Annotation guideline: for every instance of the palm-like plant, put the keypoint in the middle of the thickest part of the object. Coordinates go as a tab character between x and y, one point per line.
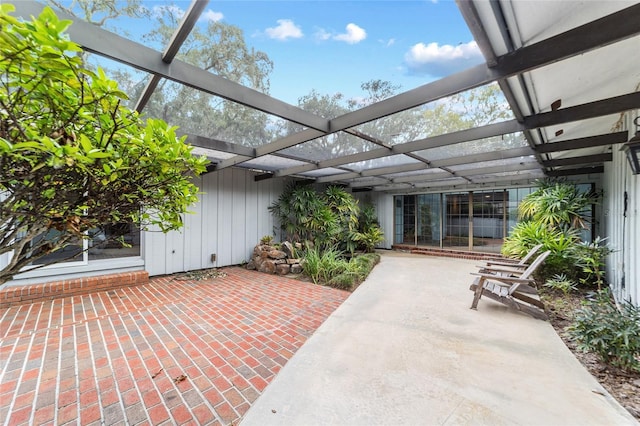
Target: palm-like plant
552	215
344	206
294	209
558	204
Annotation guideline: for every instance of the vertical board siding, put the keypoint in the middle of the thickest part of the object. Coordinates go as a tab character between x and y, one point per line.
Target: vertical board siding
209	201
228	221
174	253
193	227
623	231
155	247
225	216
239	221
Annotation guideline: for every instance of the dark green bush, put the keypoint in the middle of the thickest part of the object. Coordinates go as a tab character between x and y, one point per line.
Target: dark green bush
330	219
611	333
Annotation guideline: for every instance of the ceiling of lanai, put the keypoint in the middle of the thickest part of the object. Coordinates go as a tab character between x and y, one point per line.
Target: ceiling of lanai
567	69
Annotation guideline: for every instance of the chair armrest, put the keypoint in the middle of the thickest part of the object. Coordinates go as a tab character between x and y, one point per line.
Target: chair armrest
504	278
503	263
508	270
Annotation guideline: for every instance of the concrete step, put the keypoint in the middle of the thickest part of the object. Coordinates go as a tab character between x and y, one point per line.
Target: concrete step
436	251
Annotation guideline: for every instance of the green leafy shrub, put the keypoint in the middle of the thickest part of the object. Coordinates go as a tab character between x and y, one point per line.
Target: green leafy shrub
322	265
72	157
613	334
328	219
266	240
560	282
368	217
561	243
553	215
558	204
368	238
590	257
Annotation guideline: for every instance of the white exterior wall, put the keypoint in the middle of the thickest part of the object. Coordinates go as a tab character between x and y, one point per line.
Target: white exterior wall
229	221
623	266
384	208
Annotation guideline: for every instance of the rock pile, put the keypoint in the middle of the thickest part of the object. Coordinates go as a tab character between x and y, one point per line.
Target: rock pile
275	260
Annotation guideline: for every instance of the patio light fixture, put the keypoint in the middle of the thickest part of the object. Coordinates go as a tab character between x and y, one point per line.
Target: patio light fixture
632	149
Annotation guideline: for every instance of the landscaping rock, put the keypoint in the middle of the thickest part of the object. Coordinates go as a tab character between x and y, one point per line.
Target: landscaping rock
287	247
267	267
270	259
277	254
283	269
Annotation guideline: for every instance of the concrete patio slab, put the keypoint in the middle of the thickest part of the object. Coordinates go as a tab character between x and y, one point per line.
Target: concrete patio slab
405	349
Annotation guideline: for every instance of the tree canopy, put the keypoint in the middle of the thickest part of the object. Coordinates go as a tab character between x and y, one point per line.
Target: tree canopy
72	157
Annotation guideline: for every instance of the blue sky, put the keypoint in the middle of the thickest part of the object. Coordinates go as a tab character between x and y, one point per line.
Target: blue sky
334	46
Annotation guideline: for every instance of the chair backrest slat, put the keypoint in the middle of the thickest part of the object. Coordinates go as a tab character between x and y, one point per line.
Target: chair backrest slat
536	263
529	255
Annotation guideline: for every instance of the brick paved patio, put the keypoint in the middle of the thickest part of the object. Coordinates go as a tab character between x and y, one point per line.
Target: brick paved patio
167	352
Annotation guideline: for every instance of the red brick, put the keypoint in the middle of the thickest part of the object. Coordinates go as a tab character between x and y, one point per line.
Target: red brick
239	382
67	414
259	383
9	386
109	397
24	400
180	414
130	398
203	414
20	416
90	413
151	398
44	415
88	397
233	397
221	383
242	409
67	397
213	396
226	413
158	414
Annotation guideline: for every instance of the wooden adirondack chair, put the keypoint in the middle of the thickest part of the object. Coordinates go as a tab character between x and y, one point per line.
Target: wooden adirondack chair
510	287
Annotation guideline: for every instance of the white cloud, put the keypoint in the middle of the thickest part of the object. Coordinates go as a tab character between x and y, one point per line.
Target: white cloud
170	9
211	16
354	34
286	29
437	61
388	43
322	35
